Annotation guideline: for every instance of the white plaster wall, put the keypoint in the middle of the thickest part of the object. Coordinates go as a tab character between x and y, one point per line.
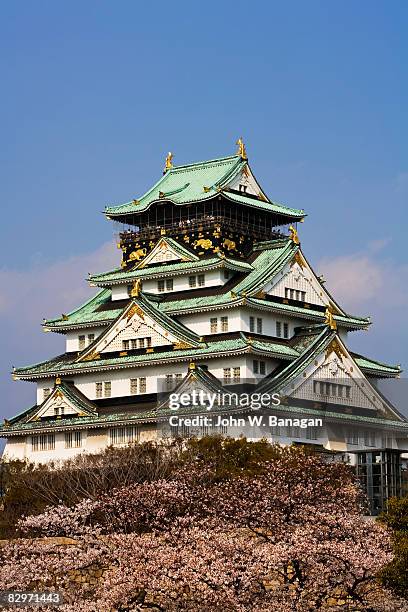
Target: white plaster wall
213	278
46	383
199	322
15	449
72	337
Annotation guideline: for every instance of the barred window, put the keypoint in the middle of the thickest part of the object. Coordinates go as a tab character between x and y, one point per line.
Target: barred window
160	286
169	381
311	433
227	274
107	388
91	338
213	325
262	367
98	388
224	324
352	436
169	284
255	366
43	442
142	385
237	374
81	342
133	386
78	439
68	439
124	435
252	324
46	393
201	280
278	329
369	438
179	376
192	281
286	330
227	375
259	325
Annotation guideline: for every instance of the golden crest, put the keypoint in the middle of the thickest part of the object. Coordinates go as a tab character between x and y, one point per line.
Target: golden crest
293	235
135	310
203	243
229	245
137	255
181	345
92	356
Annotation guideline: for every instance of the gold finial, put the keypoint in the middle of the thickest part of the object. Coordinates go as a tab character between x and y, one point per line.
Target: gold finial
241	149
58	380
169	161
136	289
294	235
329	320
192	365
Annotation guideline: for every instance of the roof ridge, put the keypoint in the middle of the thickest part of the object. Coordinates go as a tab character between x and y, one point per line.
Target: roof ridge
216	160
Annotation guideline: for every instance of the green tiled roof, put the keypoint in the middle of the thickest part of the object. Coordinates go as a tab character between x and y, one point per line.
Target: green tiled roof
376	368
183	184
87	312
181	267
63	364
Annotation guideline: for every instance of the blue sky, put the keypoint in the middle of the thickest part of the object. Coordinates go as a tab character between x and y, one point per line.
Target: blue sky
95	93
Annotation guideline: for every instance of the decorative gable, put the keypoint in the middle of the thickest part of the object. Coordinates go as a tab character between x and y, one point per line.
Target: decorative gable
334	378
136	328
61	403
297	281
164	251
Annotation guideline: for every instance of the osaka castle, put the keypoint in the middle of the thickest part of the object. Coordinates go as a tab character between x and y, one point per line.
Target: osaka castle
213	291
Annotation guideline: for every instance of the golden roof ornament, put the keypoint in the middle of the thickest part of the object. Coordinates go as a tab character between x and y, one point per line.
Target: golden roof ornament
136	289
169	161
329	319
58	380
241	148
294	235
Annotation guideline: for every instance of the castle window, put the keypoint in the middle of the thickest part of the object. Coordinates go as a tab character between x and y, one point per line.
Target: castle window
107	388
124	435
142	385
201	280
192	281
259	367
160	286
227	274
331	389
169	284
252	324
295	294
133	386
125	345
278	329
169	381
78	439
43	442
285	330
227	376
311	433
237	374
81	342
352	437
259	325
369	438
68	439
224	324
91	338
213	325
46	393
56	411
98	389
243	188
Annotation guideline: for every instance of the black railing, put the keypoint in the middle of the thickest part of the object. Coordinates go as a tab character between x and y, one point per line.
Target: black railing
256	230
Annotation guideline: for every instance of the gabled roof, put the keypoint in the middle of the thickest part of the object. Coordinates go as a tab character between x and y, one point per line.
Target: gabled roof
311	343
376	368
196	182
140	307
68	363
77	399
